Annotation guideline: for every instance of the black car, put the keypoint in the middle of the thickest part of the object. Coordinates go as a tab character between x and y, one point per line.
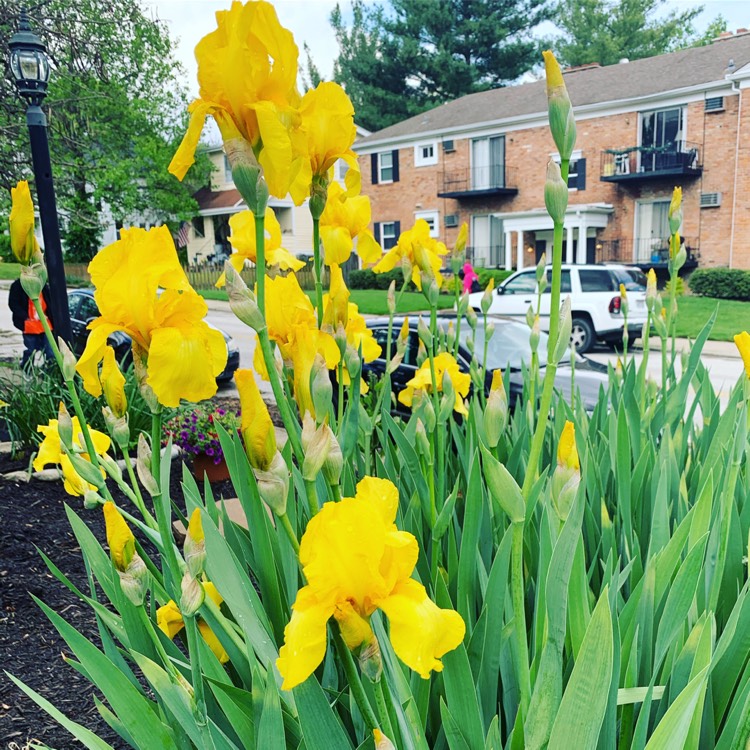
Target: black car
83	309
509	348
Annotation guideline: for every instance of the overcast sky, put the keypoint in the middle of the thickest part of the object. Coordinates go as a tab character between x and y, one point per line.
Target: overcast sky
189	20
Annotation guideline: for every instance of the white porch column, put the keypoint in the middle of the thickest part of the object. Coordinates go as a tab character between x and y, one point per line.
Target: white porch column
582	229
569	244
519	251
508	250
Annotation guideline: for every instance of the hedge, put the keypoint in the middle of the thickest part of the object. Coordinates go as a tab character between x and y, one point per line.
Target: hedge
721	283
367	279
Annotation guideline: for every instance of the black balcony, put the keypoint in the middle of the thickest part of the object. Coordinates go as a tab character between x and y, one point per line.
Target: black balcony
645	252
477	182
640	163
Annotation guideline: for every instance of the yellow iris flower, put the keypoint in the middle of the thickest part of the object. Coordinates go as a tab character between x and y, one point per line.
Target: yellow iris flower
336	301
184	353
119	537
50	452
567	453
326	134
256	427
422	381
247	73
170	622
424	253
346	218
244	246
743	344
292	324
355	561
22	240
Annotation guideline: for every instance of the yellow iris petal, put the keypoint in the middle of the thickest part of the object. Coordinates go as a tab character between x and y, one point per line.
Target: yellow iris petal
213	642
420	631
567	454
423	252
257	428
113	384
22	240
742	340
422	380
169	619
119	537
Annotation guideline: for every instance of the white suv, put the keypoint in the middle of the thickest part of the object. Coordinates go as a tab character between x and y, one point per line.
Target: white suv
595	296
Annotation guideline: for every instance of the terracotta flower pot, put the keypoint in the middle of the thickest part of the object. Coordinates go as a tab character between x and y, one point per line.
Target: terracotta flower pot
204	465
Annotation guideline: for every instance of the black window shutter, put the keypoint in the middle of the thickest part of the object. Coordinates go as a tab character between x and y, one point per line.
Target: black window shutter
374	168
377	232
395	165
581	165
397	225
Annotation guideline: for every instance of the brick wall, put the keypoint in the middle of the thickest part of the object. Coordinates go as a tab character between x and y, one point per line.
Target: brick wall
526	155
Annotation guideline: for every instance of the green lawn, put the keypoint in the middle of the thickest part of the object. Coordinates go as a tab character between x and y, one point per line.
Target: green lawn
10	271
369	301
693	312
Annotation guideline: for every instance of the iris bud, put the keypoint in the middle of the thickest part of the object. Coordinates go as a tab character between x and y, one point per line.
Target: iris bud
391	299
425	335
486	301
563	334
65	427
143	466
34	277
192	595
273	484
241	300
69	361
555	193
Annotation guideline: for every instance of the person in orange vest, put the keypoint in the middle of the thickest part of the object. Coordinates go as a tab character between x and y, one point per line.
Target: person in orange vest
27	321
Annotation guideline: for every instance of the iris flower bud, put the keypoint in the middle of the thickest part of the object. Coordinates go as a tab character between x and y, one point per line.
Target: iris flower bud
651	292
273	485
192	595
69	361
495	417
563	334
675	211
555	193
65	427
486	302
425	335
392	297
33	278
195	545
241	299
562	125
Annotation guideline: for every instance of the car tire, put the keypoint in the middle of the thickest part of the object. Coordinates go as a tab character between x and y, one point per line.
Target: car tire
582	335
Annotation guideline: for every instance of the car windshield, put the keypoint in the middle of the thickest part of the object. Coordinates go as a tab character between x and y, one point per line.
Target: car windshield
633	279
509	345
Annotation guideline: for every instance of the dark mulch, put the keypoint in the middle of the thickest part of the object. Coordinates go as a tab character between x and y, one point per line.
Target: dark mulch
32	515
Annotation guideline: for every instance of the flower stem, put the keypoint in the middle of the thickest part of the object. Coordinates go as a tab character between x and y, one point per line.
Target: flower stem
156	447
191	628
260	261
287	526
355	684
382	708
139	503
317	266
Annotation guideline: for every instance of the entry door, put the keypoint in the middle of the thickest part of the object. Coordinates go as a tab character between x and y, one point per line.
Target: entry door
488	163
651	230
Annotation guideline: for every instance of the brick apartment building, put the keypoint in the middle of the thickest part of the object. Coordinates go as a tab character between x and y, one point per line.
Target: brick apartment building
643	127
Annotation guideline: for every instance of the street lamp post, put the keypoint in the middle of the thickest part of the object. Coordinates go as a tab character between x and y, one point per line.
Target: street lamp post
30	68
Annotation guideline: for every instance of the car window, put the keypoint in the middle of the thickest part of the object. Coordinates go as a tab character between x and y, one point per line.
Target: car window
521	284
633	279
88	308
73	301
596	280
410	355
564	282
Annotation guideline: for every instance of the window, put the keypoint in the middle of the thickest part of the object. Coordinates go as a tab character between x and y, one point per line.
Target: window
88	308
73	301
564	282
388	234
432	218
341	169
488	163
199	226
662	137
385	167
524	283
425	154
227	170
576	170
596	280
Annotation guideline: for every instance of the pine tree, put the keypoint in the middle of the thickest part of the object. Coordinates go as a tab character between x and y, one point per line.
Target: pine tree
398	60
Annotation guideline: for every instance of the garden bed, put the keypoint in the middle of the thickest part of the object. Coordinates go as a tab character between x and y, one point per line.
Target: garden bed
33	515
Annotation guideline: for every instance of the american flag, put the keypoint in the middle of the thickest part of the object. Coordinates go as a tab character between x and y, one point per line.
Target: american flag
183	235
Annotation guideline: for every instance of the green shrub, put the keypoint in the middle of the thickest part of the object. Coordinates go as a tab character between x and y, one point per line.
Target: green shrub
6	254
485	274
722	283
368	279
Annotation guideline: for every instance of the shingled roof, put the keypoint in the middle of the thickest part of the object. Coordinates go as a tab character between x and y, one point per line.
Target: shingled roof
587	85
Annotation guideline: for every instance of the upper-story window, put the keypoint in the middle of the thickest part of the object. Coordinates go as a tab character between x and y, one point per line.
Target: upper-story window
227	170
425	154
576	170
384	167
488	163
387	233
433	221
662	136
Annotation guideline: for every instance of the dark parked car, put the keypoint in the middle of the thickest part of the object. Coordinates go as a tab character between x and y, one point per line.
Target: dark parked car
83	309
509	347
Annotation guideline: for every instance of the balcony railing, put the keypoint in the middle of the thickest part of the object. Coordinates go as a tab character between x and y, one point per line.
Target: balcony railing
486	256
638	163
478	181
645	251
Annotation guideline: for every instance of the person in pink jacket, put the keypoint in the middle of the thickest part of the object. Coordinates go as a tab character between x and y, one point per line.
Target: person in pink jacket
469	277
